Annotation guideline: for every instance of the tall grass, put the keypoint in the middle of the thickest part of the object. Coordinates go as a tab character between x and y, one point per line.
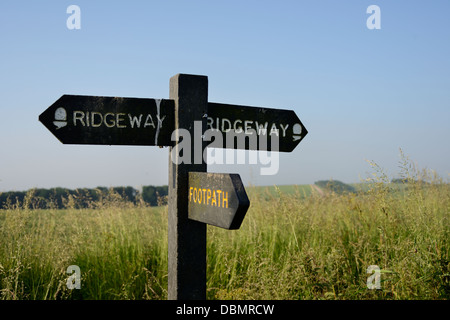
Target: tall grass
320	247
121	251
290	246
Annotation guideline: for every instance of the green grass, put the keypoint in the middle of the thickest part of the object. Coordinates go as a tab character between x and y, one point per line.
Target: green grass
121	252
293	244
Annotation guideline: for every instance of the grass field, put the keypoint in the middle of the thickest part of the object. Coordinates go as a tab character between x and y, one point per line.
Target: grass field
293	244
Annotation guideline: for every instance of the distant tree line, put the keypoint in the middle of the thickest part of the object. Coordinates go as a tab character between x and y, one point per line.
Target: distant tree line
82	198
339	187
335	186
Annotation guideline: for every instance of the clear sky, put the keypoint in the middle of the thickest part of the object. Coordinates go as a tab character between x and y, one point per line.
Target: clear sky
361	93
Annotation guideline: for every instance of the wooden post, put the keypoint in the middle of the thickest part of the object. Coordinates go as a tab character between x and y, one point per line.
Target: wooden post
187	238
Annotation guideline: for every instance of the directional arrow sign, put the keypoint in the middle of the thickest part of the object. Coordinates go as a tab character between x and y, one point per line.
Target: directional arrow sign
110	120
218	199
76	119
254	128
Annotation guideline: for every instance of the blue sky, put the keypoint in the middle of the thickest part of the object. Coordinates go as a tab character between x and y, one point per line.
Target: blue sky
362	94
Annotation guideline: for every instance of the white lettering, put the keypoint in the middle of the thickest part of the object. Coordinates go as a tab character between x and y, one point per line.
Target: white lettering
78	115
213	153
268	309
247	127
181	153
262	129
99	115
149	121
193	310
135	121
274	129
374	21
223	125
270	158
112	123
374	281
74	281
284	129
246	309
160	120
74	21
118	119
236	128
209	122
223	309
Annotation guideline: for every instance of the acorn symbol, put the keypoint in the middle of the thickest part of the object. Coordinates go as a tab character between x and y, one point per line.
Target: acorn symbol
297	130
60	118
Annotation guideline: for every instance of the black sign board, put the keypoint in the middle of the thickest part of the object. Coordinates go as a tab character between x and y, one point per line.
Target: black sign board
218	199
254	128
75	119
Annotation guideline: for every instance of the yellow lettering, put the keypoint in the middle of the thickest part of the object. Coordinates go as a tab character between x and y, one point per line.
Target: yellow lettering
208	196
214	201
224	199
199	196
211	197
218	197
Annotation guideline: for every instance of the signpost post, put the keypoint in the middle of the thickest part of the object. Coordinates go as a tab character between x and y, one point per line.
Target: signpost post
196	198
187	238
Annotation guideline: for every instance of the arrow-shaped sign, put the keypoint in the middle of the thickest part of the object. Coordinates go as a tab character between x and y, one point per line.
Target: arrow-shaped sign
256	128
218	199
77	119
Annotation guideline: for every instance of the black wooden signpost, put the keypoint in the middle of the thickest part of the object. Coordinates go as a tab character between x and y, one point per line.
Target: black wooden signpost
196	198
